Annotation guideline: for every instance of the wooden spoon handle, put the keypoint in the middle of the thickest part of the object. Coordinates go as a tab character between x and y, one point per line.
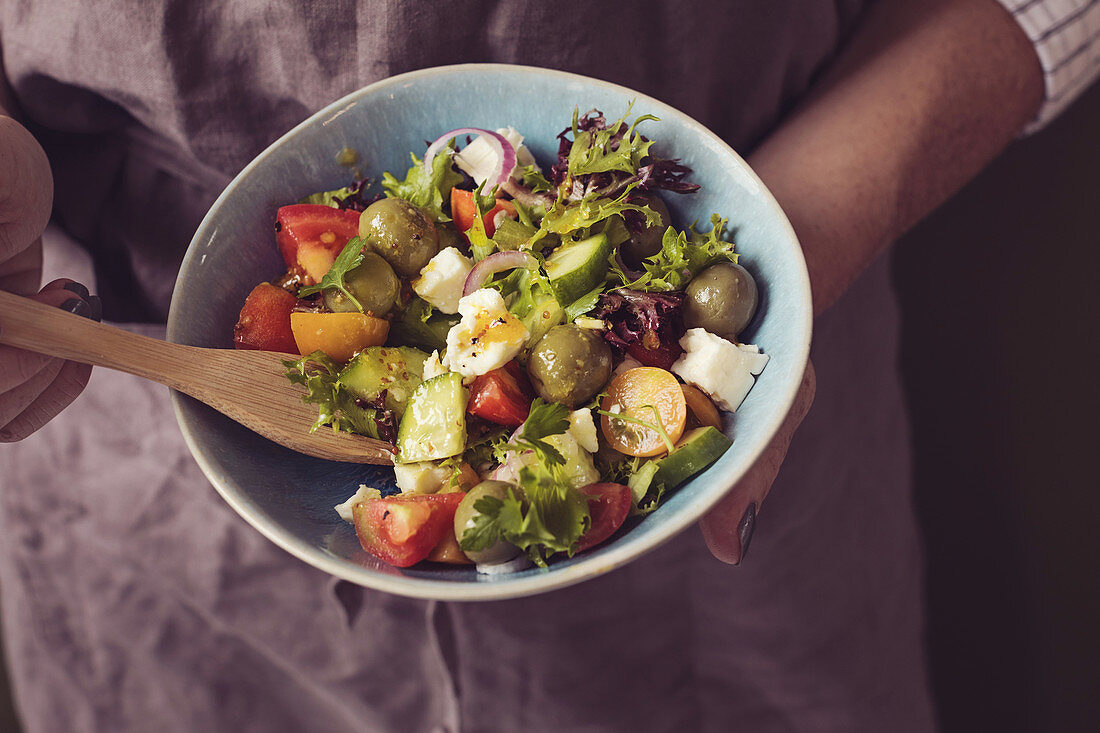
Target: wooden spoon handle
34	326
248	386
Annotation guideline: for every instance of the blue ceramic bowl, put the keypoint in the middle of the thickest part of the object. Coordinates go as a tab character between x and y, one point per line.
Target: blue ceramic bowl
289	497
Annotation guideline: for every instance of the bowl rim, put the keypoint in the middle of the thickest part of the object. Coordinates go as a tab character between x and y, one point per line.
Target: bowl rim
500	588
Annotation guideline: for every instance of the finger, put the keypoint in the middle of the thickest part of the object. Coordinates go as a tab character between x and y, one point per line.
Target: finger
26	189
21	273
18	365
19	398
728	527
66	387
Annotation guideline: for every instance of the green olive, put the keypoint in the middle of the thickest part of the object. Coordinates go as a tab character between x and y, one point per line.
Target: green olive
721	299
647	242
403	234
502	550
374	285
449	236
569	365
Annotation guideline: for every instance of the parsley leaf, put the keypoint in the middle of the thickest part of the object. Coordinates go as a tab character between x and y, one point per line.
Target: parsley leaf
549	515
485	529
349	258
545	419
423	188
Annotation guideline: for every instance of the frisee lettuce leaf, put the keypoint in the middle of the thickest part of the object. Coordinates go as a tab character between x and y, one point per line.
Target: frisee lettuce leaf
682	256
319	374
583	304
353	197
645	495
534	179
425	189
531	300
481	246
563	219
350	257
610	149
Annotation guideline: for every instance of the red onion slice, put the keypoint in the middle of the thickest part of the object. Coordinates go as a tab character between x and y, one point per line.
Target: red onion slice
495	263
526	196
506	154
509	468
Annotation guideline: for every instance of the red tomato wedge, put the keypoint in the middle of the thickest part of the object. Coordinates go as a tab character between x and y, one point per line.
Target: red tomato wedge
662	355
502	396
403	529
311	235
264	322
608	505
463	210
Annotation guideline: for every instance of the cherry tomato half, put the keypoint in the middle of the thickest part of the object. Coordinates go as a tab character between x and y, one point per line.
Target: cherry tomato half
502	396
311	235
608	505
403	529
643	396
463	210
264	322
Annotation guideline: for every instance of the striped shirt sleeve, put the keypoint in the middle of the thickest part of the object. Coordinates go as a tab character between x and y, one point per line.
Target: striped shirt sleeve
1066	34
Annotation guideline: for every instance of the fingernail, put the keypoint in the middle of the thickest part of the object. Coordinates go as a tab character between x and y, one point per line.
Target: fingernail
744	530
78	307
75	287
97	307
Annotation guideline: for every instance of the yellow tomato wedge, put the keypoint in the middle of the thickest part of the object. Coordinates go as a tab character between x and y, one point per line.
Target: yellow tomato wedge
340	335
701	406
638	401
448	550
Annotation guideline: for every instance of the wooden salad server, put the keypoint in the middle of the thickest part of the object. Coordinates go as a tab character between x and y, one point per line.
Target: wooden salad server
248	386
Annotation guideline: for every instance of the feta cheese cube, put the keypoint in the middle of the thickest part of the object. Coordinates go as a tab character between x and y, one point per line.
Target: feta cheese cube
424	477
479	160
487	337
364	493
584	429
441	280
433	366
721	369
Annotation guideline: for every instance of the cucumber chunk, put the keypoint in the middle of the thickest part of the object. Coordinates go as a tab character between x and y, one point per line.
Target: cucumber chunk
420	326
696	450
398	370
575	269
434	423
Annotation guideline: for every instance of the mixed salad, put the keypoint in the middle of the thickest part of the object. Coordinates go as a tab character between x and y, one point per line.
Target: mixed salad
543	350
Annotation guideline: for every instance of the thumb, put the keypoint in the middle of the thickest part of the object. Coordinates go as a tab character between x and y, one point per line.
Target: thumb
26	189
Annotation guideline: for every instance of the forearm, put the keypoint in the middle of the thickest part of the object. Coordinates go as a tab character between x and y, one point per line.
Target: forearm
924	95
